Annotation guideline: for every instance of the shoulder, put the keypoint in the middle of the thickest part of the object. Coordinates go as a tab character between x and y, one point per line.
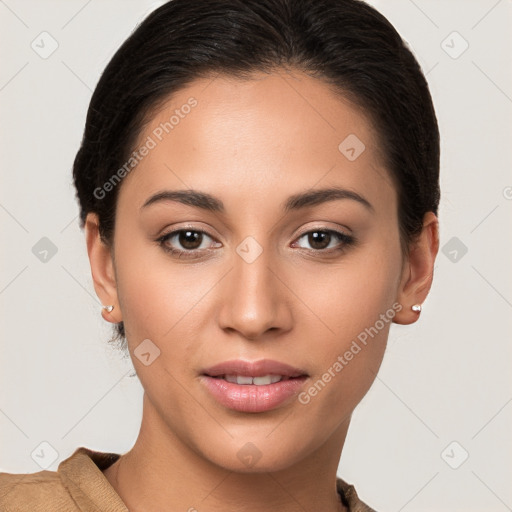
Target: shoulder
78	484
350	498
38	492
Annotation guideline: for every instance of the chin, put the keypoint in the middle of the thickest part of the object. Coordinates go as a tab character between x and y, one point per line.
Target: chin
259	453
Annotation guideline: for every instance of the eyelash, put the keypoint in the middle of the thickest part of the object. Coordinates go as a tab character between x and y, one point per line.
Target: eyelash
346	242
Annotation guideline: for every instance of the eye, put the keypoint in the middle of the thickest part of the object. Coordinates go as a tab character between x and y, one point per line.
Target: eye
185	242
324	240
193	243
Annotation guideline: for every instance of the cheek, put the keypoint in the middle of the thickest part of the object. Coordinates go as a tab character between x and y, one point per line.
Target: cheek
155	298
144	290
351	295
355	303
163	301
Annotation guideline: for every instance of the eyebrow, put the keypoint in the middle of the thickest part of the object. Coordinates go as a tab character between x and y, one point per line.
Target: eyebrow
295	202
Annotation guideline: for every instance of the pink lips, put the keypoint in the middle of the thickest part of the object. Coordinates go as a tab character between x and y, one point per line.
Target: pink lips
252	397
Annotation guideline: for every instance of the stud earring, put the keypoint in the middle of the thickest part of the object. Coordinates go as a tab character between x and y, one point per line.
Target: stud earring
416	308
108	308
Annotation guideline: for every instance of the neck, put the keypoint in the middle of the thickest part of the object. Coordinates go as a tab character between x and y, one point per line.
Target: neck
161	472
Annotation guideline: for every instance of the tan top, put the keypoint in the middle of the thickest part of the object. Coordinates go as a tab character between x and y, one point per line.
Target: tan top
79	485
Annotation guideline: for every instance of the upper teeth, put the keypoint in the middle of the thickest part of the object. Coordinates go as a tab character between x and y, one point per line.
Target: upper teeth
259	381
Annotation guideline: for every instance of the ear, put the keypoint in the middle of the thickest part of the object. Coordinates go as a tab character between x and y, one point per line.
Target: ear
102	269
418	270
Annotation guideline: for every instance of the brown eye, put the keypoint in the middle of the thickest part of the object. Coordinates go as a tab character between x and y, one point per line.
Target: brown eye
319	239
324	240
190	239
187	243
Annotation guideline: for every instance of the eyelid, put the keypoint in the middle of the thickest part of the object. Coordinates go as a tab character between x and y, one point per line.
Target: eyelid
339	228
190	226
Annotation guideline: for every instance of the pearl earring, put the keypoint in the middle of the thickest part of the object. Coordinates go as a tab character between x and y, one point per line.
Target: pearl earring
108	308
416	308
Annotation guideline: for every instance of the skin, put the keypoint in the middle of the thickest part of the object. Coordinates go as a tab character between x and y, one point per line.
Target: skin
252	144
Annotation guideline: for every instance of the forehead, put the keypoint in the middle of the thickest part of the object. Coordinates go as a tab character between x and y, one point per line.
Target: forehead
271	135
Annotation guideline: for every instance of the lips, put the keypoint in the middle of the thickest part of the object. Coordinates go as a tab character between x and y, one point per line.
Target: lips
253	386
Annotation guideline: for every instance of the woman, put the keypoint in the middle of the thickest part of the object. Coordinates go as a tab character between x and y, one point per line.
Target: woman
258	184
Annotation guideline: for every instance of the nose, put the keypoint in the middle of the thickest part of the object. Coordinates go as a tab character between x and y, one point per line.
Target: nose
255	299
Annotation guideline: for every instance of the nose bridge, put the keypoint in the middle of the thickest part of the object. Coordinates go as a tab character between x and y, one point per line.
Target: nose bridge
253	301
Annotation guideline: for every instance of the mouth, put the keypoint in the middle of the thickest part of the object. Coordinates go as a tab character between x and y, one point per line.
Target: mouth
245	380
253	386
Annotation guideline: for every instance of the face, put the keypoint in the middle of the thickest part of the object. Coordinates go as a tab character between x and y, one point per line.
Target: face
267	268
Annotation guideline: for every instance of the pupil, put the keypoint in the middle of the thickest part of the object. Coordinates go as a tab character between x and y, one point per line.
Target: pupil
188	239
317	237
